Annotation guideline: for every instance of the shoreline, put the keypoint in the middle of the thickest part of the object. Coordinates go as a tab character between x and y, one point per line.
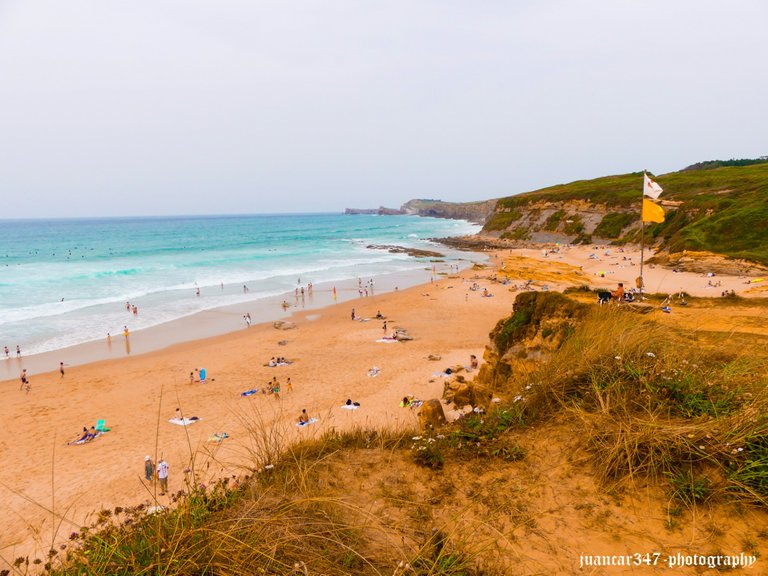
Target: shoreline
221	320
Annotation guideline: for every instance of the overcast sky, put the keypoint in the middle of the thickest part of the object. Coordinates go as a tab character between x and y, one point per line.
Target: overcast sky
229	106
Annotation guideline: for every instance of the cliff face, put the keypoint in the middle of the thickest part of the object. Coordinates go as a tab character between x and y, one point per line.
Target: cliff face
539	324
477	212
565	221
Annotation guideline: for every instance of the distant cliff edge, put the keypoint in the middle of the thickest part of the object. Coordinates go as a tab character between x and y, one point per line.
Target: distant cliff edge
477	212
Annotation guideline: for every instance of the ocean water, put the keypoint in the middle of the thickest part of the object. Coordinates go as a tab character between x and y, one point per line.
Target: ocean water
66	282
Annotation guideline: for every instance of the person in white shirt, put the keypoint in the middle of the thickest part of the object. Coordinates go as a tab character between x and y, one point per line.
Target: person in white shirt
162	476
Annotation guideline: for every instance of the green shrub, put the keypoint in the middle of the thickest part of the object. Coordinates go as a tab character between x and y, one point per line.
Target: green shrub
553	221
613	223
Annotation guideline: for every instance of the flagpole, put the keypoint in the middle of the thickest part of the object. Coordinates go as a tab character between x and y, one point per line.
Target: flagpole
642	238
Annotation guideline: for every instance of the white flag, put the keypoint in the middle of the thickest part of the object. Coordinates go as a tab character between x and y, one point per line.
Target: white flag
650	188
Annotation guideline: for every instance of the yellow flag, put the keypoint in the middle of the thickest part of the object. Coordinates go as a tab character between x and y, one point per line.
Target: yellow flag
652	212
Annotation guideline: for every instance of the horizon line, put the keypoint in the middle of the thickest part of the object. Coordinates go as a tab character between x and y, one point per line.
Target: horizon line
157	216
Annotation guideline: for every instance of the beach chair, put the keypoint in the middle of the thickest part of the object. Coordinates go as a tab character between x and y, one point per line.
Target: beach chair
101	426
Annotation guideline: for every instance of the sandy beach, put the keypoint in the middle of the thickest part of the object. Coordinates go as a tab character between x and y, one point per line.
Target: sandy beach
49	489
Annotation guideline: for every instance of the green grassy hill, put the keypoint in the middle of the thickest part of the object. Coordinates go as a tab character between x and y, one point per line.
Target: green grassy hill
723	210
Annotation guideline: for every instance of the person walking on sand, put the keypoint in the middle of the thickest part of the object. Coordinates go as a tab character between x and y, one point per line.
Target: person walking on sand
24	380
353	314
149	469
162	475
61	368
289	385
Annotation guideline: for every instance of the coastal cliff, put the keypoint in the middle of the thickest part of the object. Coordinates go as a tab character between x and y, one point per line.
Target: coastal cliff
721	210
476	212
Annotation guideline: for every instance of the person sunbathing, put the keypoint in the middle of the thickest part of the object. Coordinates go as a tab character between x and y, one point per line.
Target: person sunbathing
82	437
303	417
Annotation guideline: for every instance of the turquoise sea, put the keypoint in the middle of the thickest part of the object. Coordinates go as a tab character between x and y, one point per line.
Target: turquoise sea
66	282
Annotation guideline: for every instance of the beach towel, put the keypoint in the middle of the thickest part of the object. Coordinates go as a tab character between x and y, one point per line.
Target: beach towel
249	392
84	440
350	406
411	404
184	421
387	340
276	364
373	372
218	437
101	426
310	421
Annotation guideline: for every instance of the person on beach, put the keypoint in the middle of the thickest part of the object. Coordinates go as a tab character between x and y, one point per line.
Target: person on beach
289	385
303	417
7	352
162	475
61	368
385	327
191	377
149	469
24	381
197	291
473	363
125	331
618	294
18	351
354	317
81	437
